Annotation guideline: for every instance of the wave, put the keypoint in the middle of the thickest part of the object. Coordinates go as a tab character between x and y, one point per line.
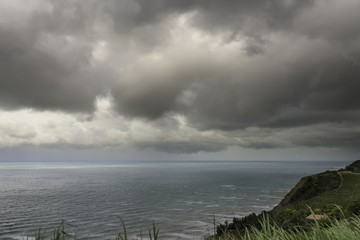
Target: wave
228	186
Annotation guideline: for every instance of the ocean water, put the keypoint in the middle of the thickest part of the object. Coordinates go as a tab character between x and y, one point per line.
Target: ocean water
182	198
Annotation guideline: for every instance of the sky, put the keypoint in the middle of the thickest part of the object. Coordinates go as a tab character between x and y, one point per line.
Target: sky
179	80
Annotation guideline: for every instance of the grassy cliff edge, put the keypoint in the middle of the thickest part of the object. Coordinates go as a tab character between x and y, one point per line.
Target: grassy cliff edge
334	194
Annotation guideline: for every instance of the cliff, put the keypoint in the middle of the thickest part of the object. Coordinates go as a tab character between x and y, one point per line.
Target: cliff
311	186
333	193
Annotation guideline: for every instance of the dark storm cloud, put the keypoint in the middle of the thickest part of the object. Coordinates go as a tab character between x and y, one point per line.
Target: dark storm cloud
27	68
45	64
31	77
212	13
342	136
313	80
274	64
324	91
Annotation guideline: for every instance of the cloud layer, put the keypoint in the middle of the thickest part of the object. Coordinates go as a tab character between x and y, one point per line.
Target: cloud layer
180	76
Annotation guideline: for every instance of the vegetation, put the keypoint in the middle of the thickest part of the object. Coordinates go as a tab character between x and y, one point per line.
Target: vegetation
60	234
345	229
354	167
334	194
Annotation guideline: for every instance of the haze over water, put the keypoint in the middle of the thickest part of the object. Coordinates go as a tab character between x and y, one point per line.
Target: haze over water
182	198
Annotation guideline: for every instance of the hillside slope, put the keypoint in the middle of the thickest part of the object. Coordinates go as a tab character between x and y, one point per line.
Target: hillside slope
332	193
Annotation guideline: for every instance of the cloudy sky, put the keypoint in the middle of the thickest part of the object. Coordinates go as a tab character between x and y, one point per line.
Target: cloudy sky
180	79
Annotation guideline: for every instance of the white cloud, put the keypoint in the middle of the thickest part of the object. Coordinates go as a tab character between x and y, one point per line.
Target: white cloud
104	128
107	129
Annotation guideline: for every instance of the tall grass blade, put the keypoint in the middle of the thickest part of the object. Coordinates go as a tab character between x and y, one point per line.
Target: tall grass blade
119	235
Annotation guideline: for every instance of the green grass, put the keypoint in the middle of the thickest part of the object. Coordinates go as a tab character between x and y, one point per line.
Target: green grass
346	229
268	229
344	196
60	233
332	229
347	197
334	193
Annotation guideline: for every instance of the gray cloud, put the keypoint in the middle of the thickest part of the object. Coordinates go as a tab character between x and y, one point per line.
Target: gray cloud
223	65
322	91
336	136
46	72
184	147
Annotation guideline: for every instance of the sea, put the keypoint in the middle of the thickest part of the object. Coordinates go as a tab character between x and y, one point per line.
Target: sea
182	198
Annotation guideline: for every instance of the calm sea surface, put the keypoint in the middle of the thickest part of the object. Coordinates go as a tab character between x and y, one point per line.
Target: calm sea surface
182	198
